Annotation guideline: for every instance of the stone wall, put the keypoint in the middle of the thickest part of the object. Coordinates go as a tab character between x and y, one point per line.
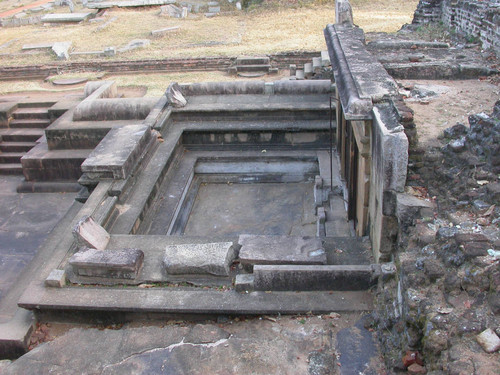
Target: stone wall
372	125
279	60
472	19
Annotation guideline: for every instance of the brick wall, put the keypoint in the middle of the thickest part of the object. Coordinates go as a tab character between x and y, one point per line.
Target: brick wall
470	18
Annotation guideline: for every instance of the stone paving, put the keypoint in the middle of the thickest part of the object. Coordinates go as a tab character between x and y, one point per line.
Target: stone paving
314	344
25	221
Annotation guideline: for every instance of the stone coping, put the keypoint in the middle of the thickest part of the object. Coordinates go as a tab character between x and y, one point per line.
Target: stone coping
179	300
361	80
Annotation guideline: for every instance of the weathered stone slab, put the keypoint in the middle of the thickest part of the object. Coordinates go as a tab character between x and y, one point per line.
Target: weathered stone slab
171	11
305	277
162	32
256	249
90	234
117	264
118	152
207	258
27	47
134	44
69	81
66	17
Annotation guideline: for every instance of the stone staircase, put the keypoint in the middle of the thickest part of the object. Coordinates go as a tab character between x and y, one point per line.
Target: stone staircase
247	66
310	70
26	125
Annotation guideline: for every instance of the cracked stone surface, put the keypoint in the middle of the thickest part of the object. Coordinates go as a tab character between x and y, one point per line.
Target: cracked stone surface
265	345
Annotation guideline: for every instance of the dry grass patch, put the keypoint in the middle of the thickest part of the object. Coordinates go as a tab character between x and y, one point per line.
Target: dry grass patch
266	29
154	83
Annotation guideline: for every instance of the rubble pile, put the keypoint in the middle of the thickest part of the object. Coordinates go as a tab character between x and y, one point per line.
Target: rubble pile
441	314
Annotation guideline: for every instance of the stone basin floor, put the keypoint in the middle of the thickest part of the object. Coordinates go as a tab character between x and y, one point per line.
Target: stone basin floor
325	344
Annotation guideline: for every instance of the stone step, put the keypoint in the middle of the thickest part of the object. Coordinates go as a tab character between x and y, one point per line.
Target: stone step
29	123
42	164
27	103
11	157
253	68
11	169
195	301
31	113
249	60
21	135
16	146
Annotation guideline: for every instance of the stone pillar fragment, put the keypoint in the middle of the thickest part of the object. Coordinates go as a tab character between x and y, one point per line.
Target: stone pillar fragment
343	12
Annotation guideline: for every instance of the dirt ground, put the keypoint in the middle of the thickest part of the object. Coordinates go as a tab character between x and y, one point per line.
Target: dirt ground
454	102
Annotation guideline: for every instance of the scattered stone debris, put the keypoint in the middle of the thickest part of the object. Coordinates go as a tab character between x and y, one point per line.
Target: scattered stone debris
171	10
162	32
106	24
134	44
448	294
61	49
489	341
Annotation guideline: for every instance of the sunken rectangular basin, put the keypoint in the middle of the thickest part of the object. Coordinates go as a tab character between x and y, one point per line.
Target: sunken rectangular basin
229	193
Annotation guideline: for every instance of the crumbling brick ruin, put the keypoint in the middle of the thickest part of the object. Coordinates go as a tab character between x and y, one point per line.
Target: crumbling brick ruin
472	19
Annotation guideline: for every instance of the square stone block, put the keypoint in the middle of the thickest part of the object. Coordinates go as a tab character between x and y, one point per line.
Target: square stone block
199	259
56	279
116	264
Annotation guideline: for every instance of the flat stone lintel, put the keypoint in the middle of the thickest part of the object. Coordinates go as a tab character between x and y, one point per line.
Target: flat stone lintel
119	264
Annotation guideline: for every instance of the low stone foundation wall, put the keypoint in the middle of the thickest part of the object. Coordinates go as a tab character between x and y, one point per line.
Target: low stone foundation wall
279	60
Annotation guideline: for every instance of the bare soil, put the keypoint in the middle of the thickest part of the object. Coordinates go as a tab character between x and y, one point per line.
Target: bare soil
454	102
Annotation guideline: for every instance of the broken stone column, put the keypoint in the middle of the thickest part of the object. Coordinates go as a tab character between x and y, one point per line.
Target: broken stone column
343	12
